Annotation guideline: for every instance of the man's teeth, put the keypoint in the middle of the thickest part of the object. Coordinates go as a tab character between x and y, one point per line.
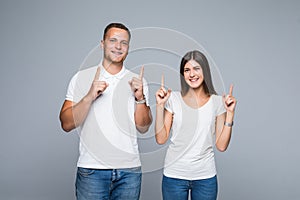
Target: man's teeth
117	53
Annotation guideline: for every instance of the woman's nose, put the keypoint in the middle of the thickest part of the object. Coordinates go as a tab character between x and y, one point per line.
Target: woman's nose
192	73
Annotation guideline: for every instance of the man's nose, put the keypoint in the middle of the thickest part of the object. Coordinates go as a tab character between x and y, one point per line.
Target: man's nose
118	45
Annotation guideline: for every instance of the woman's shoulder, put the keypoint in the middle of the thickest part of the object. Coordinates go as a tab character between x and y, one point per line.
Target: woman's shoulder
174	98
216	96
175	95
217	99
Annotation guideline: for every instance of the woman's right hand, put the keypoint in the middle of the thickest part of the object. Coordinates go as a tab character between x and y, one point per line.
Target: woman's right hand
162	95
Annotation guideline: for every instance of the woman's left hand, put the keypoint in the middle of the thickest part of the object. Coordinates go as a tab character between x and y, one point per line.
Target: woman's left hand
229	101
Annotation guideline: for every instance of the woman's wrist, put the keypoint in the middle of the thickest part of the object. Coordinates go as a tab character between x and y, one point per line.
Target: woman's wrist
229	124
229	114
160	105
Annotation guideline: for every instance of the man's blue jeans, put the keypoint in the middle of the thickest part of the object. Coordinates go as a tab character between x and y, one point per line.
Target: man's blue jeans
108	184
178	189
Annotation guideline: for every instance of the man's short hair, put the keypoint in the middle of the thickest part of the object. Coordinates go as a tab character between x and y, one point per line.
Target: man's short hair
115	25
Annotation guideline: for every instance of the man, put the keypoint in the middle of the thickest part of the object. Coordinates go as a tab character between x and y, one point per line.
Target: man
108	103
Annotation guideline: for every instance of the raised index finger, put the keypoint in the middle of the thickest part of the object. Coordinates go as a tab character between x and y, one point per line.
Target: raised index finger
97	75
141	73
230	90
162	80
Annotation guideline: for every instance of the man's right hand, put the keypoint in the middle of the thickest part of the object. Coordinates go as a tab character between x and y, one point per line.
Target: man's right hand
73	115
97	87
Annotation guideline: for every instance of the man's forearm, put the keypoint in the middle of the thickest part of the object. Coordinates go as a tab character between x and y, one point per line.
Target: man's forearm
143	117
75	115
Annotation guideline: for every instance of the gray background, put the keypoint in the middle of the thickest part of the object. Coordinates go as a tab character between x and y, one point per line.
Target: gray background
255	44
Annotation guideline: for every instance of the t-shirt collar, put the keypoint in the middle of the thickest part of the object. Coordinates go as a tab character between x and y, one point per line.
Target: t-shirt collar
106	74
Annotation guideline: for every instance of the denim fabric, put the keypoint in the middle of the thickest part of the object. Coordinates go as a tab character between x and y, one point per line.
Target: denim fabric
178	189
108	184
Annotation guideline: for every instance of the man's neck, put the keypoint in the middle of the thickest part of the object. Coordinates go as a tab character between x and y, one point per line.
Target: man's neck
112	68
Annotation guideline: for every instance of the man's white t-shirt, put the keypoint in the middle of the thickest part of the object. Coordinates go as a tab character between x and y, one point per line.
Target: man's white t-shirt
108	137
190	153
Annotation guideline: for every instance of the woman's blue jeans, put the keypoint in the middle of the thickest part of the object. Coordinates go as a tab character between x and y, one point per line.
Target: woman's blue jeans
108	184
178	189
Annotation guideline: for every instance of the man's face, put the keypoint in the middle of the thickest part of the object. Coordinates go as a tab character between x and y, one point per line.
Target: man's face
115	45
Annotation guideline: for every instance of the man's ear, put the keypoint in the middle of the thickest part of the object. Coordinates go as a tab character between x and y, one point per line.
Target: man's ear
101	44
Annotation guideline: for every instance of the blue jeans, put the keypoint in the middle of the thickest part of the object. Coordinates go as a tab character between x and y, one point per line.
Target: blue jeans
178	189
108	184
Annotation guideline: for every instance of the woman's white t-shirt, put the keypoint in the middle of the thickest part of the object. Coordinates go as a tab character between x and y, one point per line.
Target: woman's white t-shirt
190	153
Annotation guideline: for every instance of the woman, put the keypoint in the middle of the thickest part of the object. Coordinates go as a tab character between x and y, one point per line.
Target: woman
199	119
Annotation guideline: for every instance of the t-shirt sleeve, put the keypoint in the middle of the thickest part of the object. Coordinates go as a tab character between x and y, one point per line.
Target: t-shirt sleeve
71	88
169	104
220	105
146	91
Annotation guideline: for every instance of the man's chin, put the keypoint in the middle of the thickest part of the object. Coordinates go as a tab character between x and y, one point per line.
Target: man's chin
118	60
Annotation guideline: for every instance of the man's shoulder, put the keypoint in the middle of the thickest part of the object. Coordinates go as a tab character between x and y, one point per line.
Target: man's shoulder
129	72
86	74
88	71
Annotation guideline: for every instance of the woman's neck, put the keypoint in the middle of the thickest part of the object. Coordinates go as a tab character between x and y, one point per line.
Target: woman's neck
196	98
199	93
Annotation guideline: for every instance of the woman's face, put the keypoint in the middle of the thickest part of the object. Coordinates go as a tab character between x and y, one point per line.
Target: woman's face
193	74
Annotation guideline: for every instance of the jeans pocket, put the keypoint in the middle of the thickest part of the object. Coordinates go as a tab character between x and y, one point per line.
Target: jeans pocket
85	171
